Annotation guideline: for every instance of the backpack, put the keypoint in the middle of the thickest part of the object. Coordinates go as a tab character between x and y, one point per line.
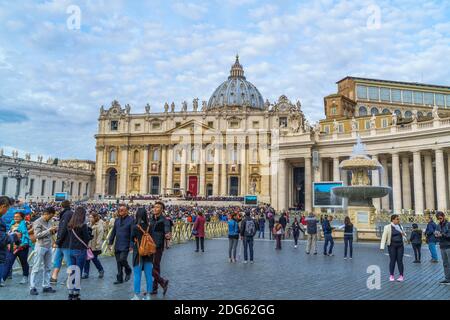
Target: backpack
147	246
250	228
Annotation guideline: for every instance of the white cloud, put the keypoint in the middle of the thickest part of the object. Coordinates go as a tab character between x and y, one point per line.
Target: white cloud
190	10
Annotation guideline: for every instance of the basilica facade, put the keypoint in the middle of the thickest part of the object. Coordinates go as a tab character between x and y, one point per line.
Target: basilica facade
237	144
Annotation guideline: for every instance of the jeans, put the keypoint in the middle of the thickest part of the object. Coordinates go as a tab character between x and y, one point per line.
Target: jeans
416	248
42	256
122	263
445	253
296	236
396	257
61	253
433	250
96	262
157	279
248	245
201	241
11	258
77	258
137	273
270	232
312	242
232	245
261	233
348	243
328	239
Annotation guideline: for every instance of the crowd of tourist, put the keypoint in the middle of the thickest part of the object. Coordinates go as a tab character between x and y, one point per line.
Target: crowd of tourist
76	233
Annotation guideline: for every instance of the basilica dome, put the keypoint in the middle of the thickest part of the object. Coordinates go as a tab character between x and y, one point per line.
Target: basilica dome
236	91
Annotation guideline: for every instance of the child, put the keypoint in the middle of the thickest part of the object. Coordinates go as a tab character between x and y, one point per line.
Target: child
416	242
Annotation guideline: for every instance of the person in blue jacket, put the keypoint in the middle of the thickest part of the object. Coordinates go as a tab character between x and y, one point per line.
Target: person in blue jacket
5	238
431	239
233	237
327	233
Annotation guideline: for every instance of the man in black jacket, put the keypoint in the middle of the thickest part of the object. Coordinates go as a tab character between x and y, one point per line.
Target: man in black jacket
283	221
160	231
121	232
62	243
271	225
443	236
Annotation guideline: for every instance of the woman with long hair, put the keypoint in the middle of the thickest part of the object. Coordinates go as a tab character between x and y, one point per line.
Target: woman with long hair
97	227
296	228
233	237
348	237
78	233
141	263
394	237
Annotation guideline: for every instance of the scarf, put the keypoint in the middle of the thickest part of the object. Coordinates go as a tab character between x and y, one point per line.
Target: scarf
397	227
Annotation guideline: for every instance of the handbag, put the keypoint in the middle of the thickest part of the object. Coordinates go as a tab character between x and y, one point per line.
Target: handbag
89	253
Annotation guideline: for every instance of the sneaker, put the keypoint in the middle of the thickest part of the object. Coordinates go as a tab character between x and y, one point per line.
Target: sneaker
230	260
434	261
84	276
345	258
350	258
101	274
135	297
203	250
315	253
295	246
252	262
24	280
245	261
118	282
127	277
400	279
34	292
48	290
196	250
154	292
330	255
445	282
391	278
53	281
2	283
146	297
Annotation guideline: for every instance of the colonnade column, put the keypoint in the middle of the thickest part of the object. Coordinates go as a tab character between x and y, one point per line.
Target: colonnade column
385	182
201	190
223	177
418	187
216	171
99	190
429	185
163	169
396	184
406	183
308	185
144	175
441	181
282	184
183	170
123	170
169	183
243	171
376	182
336	173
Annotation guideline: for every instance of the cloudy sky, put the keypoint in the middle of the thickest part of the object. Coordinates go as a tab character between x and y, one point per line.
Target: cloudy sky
54	77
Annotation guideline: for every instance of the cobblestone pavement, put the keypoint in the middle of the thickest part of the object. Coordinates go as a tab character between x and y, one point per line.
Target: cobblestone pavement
285	274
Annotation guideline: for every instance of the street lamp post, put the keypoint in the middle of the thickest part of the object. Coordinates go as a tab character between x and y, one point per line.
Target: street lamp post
16	173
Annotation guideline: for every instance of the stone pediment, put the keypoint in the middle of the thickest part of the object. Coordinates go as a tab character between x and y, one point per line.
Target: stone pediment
115	111
285	105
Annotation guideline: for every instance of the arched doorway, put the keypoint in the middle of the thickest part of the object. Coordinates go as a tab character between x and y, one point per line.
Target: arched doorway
209	190
234	186
112	182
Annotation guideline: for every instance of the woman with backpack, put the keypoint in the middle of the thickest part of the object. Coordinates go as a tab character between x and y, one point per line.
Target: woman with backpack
199	231
233	237
142	260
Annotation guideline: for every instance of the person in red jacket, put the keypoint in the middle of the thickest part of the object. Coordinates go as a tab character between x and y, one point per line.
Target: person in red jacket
199	231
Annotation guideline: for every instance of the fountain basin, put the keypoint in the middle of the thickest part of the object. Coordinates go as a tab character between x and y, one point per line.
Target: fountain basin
361	195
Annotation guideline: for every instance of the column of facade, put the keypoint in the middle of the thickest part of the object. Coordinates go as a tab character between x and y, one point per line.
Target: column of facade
429	186
99	190
144	175
418	187
396	184
163	169
274	173
183	170
282	194
336	173
448	175
325	170
223	177
202	179
441	181
216	174
243	171
308	185
123	170
169	183
406	183
376	182
385	182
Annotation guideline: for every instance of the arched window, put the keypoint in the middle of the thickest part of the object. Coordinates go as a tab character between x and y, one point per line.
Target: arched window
136	156
398	113
408	114
429	114
177	153
374	111
419	114
385	111
112	156
155	156
193	154
210	155
362	111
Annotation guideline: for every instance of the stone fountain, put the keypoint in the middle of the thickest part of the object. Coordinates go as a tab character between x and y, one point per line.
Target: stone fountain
360	193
